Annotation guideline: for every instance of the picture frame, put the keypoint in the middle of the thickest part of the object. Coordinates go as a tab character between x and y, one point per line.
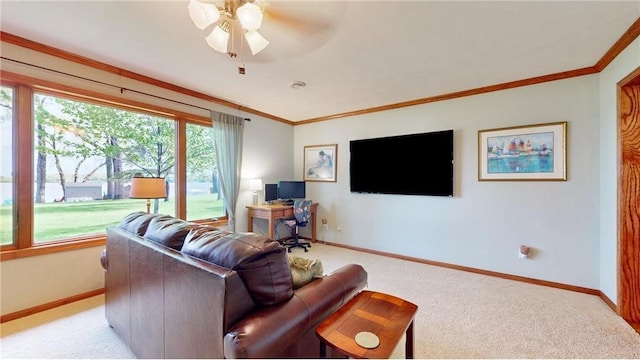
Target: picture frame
529	153
320	163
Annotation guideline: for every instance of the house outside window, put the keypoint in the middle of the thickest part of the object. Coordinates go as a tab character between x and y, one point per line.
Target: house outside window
84	154
84	158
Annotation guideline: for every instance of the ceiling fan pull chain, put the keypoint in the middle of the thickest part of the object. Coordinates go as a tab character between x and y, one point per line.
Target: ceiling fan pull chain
241	68
232	34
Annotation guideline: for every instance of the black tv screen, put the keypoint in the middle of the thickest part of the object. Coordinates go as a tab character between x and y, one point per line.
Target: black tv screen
270	192
414	164
291	190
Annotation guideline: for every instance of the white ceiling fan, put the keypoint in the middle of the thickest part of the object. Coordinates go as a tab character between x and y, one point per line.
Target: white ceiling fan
289	28
232	17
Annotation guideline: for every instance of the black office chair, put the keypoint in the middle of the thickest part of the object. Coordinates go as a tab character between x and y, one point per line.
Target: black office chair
302	214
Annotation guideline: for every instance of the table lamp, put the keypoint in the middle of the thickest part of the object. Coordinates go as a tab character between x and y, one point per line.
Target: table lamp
147	188
255	185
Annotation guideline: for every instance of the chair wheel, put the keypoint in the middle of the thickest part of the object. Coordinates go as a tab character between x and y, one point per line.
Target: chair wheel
306	250
288	249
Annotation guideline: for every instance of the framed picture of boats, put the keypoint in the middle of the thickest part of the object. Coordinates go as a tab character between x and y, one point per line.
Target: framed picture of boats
530	152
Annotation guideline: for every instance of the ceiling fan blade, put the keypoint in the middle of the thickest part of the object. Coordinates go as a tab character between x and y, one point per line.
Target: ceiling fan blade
291	29
305	17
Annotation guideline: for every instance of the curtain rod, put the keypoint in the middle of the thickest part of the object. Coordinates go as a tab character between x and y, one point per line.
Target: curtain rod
122	89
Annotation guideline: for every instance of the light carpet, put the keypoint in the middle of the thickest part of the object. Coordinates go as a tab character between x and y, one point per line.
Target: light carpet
460	315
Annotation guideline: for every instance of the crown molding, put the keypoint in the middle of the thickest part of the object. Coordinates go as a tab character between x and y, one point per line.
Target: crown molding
627	38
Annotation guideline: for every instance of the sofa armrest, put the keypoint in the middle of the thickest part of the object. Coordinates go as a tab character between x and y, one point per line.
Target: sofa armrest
103	259
268	331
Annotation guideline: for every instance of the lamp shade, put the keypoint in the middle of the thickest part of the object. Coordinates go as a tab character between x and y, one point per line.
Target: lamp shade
219	38
250	16
203	15
255	184
256	41
147	188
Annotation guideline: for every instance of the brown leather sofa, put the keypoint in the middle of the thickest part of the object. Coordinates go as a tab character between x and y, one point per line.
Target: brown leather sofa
176	289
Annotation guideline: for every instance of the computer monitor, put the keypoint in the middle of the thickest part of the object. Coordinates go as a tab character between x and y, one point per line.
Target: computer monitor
291	190
270	192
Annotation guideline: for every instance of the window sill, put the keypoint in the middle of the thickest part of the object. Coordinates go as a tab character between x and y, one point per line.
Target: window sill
213	222
52	248
100	240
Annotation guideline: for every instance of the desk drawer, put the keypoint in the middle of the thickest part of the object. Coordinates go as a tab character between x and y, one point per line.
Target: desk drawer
279	213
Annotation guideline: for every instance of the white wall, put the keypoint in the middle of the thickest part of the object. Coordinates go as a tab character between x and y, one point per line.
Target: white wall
571	225
37	280
619	68
33	281
267	155
484	224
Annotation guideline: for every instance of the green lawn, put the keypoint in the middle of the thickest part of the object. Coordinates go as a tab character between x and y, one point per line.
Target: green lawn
55	221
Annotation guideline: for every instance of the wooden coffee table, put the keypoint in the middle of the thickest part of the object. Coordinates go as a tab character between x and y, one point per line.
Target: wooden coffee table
386	316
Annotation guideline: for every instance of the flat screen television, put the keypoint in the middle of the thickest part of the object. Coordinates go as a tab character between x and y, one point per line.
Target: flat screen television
289	190
414	164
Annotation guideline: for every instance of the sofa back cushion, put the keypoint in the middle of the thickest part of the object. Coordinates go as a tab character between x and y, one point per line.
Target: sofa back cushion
261	263
169	231
137	222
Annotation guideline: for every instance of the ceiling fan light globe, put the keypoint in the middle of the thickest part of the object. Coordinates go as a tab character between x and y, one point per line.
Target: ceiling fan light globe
250	16
203	15
218	39
256	41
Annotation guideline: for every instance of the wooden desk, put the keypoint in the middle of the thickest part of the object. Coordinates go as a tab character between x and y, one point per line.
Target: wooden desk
386	316
271	213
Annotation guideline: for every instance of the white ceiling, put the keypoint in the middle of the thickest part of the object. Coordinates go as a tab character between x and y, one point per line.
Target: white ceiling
353	55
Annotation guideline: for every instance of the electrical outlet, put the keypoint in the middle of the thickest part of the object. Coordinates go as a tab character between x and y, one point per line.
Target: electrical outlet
339	228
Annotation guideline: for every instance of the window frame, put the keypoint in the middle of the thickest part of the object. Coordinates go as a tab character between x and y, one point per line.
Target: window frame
23	136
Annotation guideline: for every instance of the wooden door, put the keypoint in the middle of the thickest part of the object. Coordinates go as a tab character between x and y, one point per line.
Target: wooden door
629	199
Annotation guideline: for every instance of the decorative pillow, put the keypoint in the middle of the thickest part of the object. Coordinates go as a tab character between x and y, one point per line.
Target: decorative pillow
304	270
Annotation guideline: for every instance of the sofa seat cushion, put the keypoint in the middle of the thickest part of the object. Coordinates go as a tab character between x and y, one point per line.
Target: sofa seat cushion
169	231
261	263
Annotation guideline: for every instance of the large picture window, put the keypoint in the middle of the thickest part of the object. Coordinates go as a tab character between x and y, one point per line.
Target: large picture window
6	165
83	155
84	158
